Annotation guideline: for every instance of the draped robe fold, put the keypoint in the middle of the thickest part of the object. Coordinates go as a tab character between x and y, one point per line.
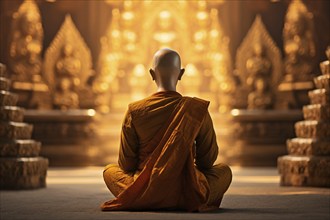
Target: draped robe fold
169	178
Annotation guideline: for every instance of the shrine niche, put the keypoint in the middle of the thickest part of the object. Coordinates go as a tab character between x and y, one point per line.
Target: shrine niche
25	62
259	66
259	129
126	52
300	54
67	68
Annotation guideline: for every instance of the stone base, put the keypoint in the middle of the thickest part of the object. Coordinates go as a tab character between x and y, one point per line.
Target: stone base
319	96
304	171
294	95
8	98
308	147
322	82
317	112
4	84
312	129
19	148
15	130
11	113
23	173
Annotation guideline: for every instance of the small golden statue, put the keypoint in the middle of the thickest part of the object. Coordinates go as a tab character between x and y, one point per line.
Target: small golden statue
261	97
299	46
64	97
258	64
259	69
67	67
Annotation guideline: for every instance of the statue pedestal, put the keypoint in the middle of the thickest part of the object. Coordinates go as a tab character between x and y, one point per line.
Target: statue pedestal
66	135
259	136
293	95
32	94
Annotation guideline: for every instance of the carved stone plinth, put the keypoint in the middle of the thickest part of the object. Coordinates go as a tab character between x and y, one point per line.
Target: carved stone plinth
23	173
308	146
7	98
11	113
304	171
15	130
66	135
260	135
19	148
317	112
312	129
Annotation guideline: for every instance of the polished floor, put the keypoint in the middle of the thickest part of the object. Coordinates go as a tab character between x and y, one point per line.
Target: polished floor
76	193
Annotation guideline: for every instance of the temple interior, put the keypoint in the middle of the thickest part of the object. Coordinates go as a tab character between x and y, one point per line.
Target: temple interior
69	69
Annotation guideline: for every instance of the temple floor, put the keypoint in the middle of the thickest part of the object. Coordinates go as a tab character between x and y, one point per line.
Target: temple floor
76	193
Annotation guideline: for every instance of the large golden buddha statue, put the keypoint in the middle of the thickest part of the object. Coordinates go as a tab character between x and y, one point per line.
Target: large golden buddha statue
299	46
25	63
26	44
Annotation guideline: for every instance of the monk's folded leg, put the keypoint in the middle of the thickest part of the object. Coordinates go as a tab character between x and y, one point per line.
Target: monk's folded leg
116	179
219	178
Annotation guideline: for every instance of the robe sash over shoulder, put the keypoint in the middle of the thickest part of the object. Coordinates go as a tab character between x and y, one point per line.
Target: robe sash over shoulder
169	178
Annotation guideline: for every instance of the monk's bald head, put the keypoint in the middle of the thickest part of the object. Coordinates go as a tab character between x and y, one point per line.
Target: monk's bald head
166	70
166	59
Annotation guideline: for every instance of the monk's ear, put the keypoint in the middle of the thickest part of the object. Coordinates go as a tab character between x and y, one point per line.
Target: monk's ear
181	73
152	73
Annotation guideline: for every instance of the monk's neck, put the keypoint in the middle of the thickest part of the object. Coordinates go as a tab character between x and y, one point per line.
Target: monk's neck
164	89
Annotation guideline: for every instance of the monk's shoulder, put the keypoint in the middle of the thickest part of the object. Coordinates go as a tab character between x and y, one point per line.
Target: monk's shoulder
199	101
138	106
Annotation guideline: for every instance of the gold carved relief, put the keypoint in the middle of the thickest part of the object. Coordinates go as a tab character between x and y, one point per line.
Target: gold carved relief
67	66
259	66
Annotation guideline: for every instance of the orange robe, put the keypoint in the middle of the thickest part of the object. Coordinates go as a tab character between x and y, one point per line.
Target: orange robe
163	149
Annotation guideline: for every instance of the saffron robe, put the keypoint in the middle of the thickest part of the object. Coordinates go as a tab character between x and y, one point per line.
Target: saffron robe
164	158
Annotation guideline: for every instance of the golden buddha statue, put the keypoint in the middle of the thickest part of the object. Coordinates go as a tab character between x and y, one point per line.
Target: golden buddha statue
67	69
258	64
68	64
299	45
26	44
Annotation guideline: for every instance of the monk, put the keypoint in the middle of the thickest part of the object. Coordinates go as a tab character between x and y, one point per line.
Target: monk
167	150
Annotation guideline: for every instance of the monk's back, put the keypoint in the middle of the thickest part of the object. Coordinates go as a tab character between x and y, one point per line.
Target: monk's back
148	115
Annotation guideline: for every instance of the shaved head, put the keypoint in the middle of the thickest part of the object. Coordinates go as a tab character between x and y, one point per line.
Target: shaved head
166	59
166	69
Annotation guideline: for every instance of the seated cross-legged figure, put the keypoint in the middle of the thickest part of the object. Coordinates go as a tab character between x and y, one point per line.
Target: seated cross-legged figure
167	151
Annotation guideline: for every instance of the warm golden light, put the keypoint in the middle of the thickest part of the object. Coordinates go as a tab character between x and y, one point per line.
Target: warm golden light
196	34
